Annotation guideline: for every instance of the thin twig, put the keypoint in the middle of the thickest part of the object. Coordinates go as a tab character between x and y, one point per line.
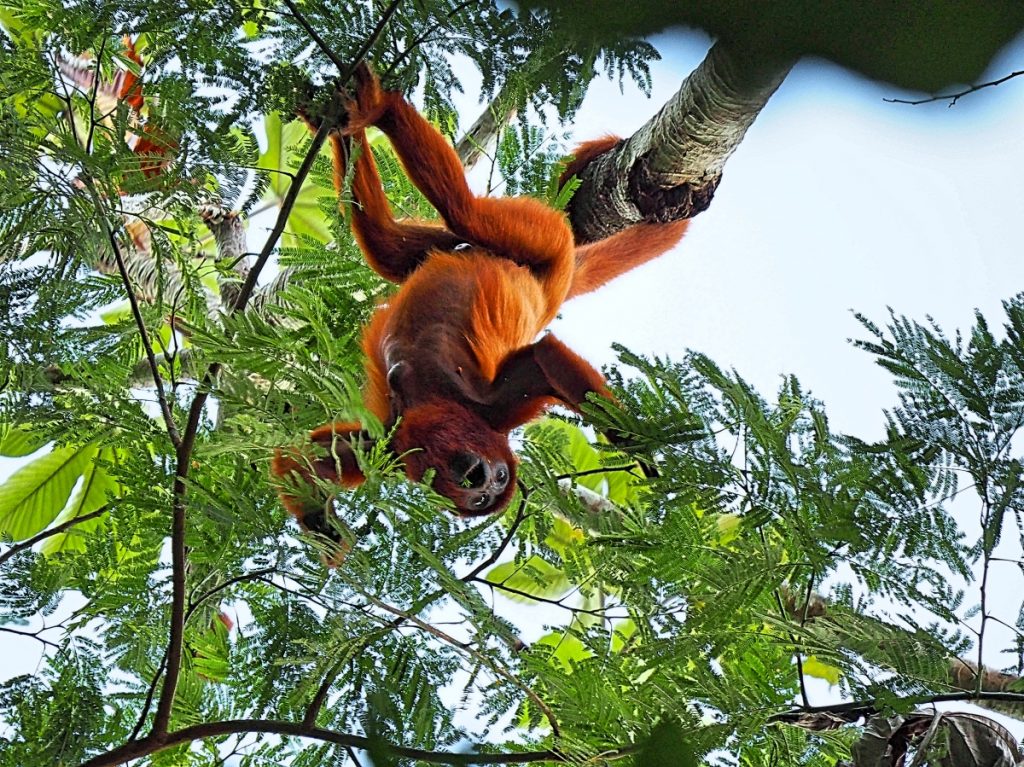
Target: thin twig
516	522
422	38
856	709
290	198
254	575
478	656
133	302
320	696
955	97
321	44
31	635
26	544
148	702
346	73
93	93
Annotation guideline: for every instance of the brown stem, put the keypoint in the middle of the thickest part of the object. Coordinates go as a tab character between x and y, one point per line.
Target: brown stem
520	516
151	744
188	440
133	302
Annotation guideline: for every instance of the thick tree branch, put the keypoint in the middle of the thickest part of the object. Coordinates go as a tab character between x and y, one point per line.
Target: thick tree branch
488	126
669	169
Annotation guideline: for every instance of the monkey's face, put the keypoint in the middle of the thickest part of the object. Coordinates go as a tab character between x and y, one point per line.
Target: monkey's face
473	464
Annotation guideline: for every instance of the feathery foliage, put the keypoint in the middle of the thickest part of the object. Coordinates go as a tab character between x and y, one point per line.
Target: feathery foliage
604	615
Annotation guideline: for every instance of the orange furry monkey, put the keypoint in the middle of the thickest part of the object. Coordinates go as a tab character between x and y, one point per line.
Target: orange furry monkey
453	357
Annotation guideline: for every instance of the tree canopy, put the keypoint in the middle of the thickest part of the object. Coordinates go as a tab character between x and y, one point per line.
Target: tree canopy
152	363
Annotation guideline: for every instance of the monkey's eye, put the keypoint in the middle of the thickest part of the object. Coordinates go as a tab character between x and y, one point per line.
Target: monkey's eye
481	502
501	476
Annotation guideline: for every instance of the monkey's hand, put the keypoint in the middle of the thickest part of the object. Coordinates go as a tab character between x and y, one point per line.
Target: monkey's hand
370	103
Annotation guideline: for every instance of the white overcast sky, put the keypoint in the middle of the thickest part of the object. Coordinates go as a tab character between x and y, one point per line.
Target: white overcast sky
836	200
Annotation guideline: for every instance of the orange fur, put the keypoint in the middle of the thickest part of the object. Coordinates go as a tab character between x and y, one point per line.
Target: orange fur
452	358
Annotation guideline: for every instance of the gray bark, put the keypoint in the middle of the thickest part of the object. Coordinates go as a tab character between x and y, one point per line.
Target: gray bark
669	169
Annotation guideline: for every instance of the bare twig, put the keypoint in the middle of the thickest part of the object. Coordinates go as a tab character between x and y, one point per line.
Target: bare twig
31	635
516	522
371	40
955	97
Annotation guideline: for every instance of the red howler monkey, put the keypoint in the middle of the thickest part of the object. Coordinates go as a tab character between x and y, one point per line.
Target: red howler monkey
453	356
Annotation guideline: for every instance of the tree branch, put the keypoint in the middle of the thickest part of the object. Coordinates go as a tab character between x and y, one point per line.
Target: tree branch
27	544
133	302
150	745
669	169
188	440
323	46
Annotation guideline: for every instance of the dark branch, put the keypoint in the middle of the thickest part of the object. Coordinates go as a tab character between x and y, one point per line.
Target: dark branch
150	745
133	302
955	97
27	544
323	46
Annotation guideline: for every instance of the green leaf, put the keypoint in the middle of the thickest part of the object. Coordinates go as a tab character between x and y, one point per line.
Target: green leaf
814	667
563	535
568	649
97	488
728	526
667	746
35	494
306	216
534	577
17	441
621	634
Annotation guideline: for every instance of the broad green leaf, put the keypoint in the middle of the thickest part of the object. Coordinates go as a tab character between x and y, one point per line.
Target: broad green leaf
17	441
97	488
667	746
568	649
621	634
728	528
534	577
306	217
35	494
814	667
116	313
563	535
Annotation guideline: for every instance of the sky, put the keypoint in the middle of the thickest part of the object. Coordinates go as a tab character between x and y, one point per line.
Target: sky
835	201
